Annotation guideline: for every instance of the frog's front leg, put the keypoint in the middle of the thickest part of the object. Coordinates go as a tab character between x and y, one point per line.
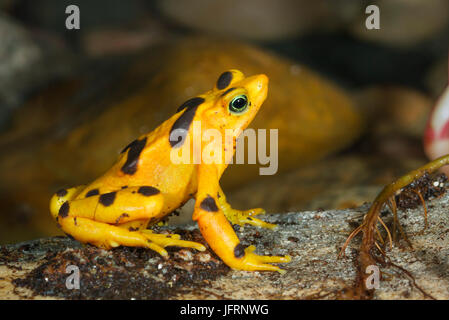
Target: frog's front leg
218	232
100	219
241	217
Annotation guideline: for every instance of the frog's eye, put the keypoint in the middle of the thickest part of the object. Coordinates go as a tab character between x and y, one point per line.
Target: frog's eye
239	104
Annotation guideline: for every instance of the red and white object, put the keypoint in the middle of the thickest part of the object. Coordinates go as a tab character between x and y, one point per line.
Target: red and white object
436	136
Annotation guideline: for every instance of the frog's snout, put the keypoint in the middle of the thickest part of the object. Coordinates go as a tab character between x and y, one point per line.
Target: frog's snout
261	82
258	88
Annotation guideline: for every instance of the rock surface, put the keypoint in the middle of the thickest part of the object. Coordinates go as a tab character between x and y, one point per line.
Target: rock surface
252	19
36	269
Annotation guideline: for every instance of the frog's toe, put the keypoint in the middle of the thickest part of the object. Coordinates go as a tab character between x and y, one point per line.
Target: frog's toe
254	211
168	240
259	223
142	240
161	236
275	259
137	240
157	248
242	217
253	261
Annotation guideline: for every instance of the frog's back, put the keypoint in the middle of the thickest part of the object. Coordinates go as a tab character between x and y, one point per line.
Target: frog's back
146	162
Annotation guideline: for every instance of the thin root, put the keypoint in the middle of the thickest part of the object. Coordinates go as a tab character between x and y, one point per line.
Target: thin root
381	239
348	240
393	206
378	247
388	232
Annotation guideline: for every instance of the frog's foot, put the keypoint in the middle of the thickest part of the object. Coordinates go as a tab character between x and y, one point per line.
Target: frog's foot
242	217
167	240
254	262
219	234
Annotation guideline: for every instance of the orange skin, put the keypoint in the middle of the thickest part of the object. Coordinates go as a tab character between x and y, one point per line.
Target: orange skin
145	185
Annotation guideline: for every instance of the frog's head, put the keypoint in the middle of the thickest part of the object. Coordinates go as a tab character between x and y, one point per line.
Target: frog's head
235	100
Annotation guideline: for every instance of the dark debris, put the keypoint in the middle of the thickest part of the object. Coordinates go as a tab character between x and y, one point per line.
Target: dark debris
429	186
125	273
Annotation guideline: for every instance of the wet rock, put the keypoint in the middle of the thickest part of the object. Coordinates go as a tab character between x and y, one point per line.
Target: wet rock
437	78
6	4
127	40
50	14
107	27
253	19
37	269
25	64
395	109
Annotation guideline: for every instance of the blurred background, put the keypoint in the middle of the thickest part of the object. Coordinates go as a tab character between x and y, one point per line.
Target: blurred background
350	104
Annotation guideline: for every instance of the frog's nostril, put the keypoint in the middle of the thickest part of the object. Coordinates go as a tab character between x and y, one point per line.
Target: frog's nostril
262	81
258	84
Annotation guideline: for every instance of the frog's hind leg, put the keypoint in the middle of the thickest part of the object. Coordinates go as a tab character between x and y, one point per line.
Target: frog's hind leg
104	235
97	219
164	240
62	196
